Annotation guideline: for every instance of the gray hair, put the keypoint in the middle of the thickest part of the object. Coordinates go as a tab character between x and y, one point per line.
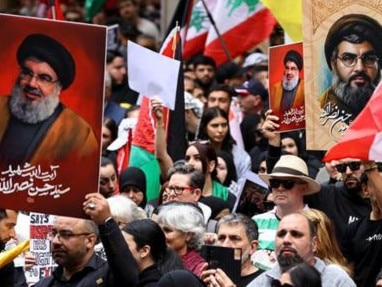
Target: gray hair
250	226
185	217
124	210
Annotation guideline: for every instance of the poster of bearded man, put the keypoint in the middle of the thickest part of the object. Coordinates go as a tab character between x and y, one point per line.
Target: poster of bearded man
342	63
50	113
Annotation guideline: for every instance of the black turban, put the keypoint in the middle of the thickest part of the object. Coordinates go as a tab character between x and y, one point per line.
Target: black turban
366	28
293	56
50	51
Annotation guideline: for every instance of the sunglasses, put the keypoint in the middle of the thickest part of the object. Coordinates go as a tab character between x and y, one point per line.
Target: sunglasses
286	183
277	283
354	165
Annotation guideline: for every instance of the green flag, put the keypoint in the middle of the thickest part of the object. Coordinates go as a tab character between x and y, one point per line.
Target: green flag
92	7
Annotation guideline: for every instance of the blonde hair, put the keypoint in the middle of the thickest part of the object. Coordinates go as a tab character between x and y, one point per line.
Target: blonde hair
327	244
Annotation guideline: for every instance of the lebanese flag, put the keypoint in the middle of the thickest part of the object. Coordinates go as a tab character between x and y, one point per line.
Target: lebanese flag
363	138
198	28
143	142
242	27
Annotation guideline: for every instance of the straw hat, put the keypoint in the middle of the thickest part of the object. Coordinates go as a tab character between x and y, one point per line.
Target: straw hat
294	167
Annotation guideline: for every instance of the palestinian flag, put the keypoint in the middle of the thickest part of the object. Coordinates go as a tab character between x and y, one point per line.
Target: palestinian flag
143	145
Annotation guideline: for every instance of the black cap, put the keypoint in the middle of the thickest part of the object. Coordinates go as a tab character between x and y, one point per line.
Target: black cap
294	56
365	27
50	51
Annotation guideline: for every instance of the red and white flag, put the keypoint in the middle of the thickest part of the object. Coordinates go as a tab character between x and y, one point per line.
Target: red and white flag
143	142
363	138
198	28
242	25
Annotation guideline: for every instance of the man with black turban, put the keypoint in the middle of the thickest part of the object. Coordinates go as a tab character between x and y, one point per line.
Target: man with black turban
353	52
35	126
289	93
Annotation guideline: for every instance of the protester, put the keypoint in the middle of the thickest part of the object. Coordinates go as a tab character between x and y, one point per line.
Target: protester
296	237
109	134
252	97
360	242
132	183
205	70
290	182
201	155
8	220
235	231
226	171
327	245
72	247
183	226
140	247
193	109
107	177
214	126
342	202
185	184
301	275
130	11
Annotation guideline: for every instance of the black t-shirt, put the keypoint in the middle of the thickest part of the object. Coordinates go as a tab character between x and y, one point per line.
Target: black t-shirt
340	205
245	280
362	245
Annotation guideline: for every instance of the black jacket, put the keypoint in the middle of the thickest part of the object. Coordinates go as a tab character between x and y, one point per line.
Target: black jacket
120	270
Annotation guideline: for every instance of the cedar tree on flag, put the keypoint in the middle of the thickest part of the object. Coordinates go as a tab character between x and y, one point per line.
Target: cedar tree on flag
242	25
198	29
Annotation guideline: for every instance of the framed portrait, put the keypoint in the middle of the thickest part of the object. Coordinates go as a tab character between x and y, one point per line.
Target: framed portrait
342	55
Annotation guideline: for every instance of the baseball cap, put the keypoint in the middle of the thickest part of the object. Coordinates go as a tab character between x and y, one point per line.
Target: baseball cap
252	87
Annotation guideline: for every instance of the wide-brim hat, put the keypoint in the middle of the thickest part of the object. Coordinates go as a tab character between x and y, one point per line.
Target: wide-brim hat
294	167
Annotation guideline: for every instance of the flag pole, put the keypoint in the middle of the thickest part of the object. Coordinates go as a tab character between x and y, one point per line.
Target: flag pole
174	42
220	38
53	9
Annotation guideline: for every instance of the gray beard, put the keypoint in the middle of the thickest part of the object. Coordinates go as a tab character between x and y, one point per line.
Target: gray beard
32	112
290	85
354	97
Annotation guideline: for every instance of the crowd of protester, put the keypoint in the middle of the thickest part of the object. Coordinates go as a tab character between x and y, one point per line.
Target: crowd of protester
309	222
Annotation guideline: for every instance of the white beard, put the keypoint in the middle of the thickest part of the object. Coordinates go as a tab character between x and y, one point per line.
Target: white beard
32	112
290	85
